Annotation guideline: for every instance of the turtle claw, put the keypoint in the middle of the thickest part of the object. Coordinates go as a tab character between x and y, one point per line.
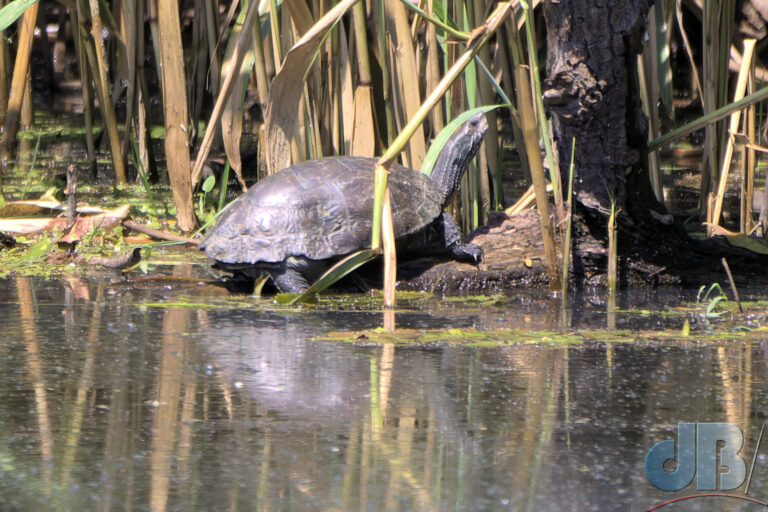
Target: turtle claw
475	252
468	252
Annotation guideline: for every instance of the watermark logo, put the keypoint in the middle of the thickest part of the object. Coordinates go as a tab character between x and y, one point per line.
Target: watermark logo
697	454
708	451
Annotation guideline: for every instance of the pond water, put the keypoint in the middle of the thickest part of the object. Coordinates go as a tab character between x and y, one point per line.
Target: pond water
130	396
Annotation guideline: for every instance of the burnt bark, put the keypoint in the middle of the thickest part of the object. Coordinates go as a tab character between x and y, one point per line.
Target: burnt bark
592	93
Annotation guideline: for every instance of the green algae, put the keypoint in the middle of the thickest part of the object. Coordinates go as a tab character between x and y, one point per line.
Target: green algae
220	302
490	300
672	312
467	337
196	305
506	337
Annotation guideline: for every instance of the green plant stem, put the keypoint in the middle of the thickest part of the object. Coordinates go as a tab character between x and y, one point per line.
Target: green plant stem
456	34
275	28
531	137
493	22
568	225
223	186
612	250
361	43
142	172
260	66
544	134
31	166
710	118
434	97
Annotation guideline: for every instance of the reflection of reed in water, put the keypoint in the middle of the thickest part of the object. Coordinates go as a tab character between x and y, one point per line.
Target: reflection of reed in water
36	374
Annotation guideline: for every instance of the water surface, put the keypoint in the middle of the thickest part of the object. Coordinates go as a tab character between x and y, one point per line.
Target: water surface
115	396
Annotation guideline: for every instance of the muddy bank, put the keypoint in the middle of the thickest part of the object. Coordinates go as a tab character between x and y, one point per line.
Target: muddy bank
514	257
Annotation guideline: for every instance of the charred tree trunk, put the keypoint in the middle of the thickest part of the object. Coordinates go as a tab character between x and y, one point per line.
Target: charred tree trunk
592	93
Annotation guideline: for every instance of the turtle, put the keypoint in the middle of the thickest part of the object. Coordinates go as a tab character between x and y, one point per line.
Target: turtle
295	224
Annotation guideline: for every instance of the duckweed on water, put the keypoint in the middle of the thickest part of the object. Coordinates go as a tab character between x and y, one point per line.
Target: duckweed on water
504	337
673	312
16	261
486	300
468	337
177	303
412	300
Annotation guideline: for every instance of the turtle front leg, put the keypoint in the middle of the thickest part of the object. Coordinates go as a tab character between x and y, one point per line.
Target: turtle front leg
450	237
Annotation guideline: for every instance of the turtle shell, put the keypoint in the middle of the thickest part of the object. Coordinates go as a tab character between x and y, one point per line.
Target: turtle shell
318	209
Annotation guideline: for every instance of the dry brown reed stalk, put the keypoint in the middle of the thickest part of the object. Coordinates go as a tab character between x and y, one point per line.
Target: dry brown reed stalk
741	86
531	135
20	70
175	112
98	61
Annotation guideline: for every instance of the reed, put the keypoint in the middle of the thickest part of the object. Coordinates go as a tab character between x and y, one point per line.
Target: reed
96	53
235	61
568	226
492	23
545	134
20	69
239	66
363	134
175	112
750	160
708	119
653	129
142	172
531	135
714	215
717	37
223	187
613	255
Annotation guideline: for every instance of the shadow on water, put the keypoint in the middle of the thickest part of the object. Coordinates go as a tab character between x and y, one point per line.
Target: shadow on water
110	401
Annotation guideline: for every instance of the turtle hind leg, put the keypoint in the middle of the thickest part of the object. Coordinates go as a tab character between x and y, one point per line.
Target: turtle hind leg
295	273
289	276
240	282
288	279
450	237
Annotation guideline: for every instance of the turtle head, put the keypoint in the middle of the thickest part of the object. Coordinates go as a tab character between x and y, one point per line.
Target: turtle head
454	159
